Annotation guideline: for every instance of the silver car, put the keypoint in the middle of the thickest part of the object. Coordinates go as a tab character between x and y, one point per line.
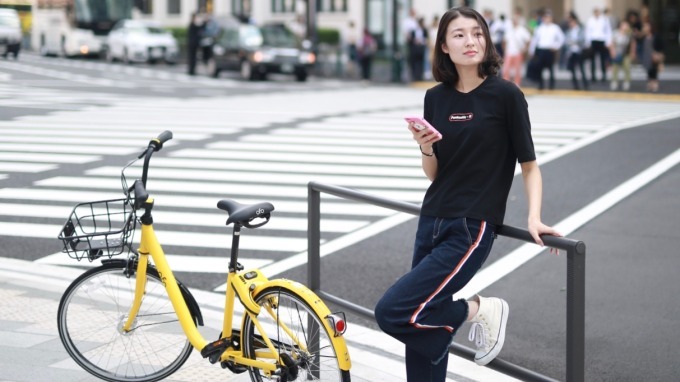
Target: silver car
140	41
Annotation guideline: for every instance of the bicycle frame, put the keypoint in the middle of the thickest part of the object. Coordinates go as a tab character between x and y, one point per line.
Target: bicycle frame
237	285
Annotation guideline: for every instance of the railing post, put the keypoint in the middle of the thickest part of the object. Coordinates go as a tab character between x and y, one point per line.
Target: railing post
313	238
576	297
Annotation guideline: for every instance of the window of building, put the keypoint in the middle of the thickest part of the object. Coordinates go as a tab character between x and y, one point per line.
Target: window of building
331	5
460	3
283	6
174	7
144	6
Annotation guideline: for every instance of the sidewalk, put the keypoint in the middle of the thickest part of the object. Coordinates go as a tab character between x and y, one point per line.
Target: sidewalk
30	348
669	81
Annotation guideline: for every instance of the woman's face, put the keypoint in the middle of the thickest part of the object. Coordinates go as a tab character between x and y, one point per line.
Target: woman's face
465	43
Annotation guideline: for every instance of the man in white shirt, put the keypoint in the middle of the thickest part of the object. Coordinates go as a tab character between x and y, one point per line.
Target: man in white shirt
598	38
547	41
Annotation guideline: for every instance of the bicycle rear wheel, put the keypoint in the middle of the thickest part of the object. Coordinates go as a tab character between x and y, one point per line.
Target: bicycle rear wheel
91	315
307	352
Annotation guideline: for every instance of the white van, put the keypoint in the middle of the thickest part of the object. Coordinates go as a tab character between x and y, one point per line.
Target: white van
10	32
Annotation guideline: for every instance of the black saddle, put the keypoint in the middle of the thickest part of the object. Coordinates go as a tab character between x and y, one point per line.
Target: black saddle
244	214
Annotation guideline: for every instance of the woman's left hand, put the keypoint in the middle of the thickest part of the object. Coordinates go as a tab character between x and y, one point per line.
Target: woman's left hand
537	228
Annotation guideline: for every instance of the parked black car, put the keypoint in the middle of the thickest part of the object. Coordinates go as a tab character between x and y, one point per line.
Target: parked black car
255	51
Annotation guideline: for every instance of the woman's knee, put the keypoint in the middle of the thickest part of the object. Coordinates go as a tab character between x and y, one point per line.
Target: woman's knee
385	314
381	312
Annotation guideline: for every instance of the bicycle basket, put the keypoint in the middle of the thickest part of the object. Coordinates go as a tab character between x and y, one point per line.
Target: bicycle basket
96	229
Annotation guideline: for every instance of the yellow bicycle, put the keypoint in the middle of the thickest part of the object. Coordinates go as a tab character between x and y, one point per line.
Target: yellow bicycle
131	320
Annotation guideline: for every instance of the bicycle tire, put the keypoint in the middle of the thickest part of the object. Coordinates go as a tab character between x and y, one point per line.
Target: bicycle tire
91	313
294	312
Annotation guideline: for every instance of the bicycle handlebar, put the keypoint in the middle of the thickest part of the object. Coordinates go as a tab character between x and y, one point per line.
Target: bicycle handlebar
138	189
154	145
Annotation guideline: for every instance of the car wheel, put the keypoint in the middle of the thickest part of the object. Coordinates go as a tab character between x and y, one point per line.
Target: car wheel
247	72
301	76
211	68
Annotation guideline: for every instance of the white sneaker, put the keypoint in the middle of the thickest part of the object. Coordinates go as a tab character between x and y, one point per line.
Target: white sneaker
488	328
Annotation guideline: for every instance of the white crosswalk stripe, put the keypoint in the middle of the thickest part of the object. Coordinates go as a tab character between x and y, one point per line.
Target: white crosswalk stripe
255	148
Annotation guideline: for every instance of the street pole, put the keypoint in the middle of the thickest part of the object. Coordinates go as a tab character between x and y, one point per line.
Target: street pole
396	51
311	24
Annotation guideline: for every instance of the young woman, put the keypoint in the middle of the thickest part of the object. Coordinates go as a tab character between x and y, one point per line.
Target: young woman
485	130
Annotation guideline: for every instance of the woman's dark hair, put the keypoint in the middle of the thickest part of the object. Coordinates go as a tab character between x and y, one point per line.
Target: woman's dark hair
443	69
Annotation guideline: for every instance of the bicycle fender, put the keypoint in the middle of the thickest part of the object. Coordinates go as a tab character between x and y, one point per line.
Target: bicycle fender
319	307
189	299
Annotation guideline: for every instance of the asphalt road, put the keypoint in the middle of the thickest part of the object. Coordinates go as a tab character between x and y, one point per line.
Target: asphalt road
631	247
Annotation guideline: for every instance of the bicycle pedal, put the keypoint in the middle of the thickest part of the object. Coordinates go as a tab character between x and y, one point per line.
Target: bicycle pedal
213	350
236	369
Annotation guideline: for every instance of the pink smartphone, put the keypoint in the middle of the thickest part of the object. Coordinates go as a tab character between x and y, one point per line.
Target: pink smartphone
421	124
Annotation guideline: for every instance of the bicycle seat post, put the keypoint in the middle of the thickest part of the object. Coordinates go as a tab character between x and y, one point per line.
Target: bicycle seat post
233	262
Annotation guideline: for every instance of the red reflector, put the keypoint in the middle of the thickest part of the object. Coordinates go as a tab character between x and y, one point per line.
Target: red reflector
340	326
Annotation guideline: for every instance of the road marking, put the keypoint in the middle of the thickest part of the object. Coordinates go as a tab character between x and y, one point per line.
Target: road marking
296	157
505	265
414	171
201	202
46	148
179	263
290	178
176	238
25	167
231	189
214	220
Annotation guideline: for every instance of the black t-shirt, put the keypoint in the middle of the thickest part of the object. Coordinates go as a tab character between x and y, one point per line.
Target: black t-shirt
485	132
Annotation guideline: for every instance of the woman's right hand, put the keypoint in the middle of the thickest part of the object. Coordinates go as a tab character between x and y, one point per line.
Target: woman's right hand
425	138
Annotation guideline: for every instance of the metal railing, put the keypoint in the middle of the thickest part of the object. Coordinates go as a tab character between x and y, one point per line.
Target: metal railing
576	271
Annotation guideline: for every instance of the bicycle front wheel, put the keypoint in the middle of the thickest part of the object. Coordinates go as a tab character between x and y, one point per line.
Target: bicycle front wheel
92	313
297	333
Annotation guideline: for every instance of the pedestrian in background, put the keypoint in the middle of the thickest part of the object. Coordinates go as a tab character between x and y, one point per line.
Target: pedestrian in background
633	19
598	38
622	51
498	31
351	40
431	34
208	36
575	41
417	49
408	25
194	34
517	39
547	41
485	130
652	56
367	49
